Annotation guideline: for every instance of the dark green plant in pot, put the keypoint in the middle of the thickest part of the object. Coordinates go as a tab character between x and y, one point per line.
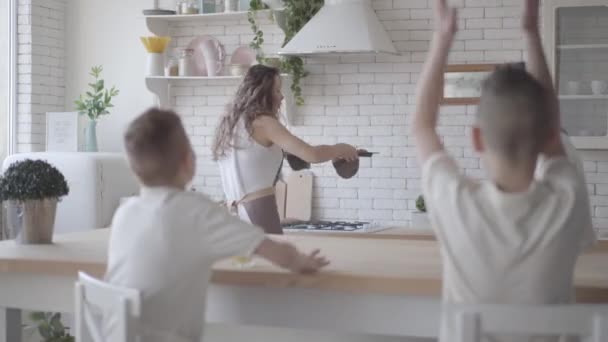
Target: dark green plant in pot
420	205
32	180
31	190
50	327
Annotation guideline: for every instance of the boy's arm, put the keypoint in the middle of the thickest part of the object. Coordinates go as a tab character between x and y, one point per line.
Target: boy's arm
539	69
287	256
430	86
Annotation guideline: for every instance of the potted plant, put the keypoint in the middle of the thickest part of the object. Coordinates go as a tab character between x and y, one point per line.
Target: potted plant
291	18
95	103
50	328
31	190
420	218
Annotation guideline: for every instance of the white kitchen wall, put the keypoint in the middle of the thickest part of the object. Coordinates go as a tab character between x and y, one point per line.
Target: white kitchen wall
107	33
363	100
41	68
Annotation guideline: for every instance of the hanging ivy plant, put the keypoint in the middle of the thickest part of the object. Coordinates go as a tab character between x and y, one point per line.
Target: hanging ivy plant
258	38
297	13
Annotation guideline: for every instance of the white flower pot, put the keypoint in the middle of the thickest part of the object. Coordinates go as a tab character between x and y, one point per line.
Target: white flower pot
32	221
420	220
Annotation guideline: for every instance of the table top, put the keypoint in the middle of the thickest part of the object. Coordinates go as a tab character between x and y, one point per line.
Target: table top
408	265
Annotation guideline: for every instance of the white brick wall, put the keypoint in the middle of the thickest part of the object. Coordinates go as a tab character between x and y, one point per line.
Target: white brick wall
367	101
363	100
41	69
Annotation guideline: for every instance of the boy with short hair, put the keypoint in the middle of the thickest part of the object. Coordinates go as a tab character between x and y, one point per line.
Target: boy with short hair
514	238
165	241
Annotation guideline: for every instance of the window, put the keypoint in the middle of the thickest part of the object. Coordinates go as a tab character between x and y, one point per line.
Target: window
4	76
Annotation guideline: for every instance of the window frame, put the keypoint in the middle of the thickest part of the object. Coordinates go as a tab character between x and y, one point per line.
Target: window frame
13	77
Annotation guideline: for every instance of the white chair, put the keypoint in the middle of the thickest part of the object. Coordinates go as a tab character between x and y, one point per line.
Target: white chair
94	297
588	322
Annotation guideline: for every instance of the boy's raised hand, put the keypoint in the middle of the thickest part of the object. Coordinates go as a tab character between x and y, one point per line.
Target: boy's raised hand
530	15
446	19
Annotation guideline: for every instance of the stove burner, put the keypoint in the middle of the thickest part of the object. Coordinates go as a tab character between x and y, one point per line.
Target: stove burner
337	226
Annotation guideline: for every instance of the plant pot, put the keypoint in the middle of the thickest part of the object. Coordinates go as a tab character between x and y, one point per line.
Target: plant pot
420	220
274	4
280	18
155	65
273	62
91	136
31	221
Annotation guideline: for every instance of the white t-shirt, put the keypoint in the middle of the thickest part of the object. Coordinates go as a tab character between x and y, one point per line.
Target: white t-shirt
515	248
164	243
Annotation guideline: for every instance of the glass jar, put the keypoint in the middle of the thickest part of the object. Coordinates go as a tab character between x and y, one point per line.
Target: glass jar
231	5
172	67
207	6
187	7
186	67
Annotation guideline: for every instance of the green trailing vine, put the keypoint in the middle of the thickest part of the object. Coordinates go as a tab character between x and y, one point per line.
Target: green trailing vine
258	38
297	13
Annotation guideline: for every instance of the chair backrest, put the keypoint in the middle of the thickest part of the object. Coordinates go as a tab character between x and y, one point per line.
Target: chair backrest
585	321
94	299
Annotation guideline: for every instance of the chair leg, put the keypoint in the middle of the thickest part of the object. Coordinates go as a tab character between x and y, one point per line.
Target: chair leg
12	325
600	329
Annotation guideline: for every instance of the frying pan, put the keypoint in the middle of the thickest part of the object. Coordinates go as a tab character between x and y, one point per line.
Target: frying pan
346	169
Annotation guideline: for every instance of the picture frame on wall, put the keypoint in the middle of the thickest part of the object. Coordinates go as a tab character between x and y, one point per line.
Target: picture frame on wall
462	82
62	131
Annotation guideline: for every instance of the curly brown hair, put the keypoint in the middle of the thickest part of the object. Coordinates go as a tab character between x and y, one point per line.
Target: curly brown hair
253	99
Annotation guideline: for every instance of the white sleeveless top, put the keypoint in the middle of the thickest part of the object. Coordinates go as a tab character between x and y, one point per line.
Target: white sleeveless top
248	167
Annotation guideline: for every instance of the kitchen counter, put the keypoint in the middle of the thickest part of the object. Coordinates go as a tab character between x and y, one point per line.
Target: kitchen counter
392	266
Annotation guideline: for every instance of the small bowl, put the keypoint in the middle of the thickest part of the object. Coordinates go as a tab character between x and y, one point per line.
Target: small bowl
237	69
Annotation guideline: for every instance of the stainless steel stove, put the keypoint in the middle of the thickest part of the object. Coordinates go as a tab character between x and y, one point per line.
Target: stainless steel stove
334	227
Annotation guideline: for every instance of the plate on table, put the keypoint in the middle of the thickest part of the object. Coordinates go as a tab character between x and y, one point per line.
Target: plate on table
199	66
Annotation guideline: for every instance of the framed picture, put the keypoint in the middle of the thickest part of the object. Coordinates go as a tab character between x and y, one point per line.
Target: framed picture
62	131
462	84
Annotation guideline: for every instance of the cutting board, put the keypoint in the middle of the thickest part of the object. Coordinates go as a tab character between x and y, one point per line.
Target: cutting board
280	191
298	205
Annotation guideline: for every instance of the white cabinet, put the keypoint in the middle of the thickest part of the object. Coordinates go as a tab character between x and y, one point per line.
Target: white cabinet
576	37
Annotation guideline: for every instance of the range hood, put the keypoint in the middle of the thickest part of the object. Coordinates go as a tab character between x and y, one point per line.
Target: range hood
341	27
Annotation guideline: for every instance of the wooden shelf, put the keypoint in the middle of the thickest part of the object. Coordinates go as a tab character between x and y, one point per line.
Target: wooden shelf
199	78
159	24
582	46
583	97
590	143
241	15
161	87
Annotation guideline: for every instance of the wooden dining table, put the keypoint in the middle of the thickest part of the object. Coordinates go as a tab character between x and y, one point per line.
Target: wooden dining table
376	284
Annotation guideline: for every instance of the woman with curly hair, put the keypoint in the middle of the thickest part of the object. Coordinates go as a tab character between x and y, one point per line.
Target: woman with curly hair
249	145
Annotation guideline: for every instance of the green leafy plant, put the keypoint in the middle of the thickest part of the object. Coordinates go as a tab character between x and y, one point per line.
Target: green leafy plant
32	180
258	38
50	327
297	13
420	205
95	103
